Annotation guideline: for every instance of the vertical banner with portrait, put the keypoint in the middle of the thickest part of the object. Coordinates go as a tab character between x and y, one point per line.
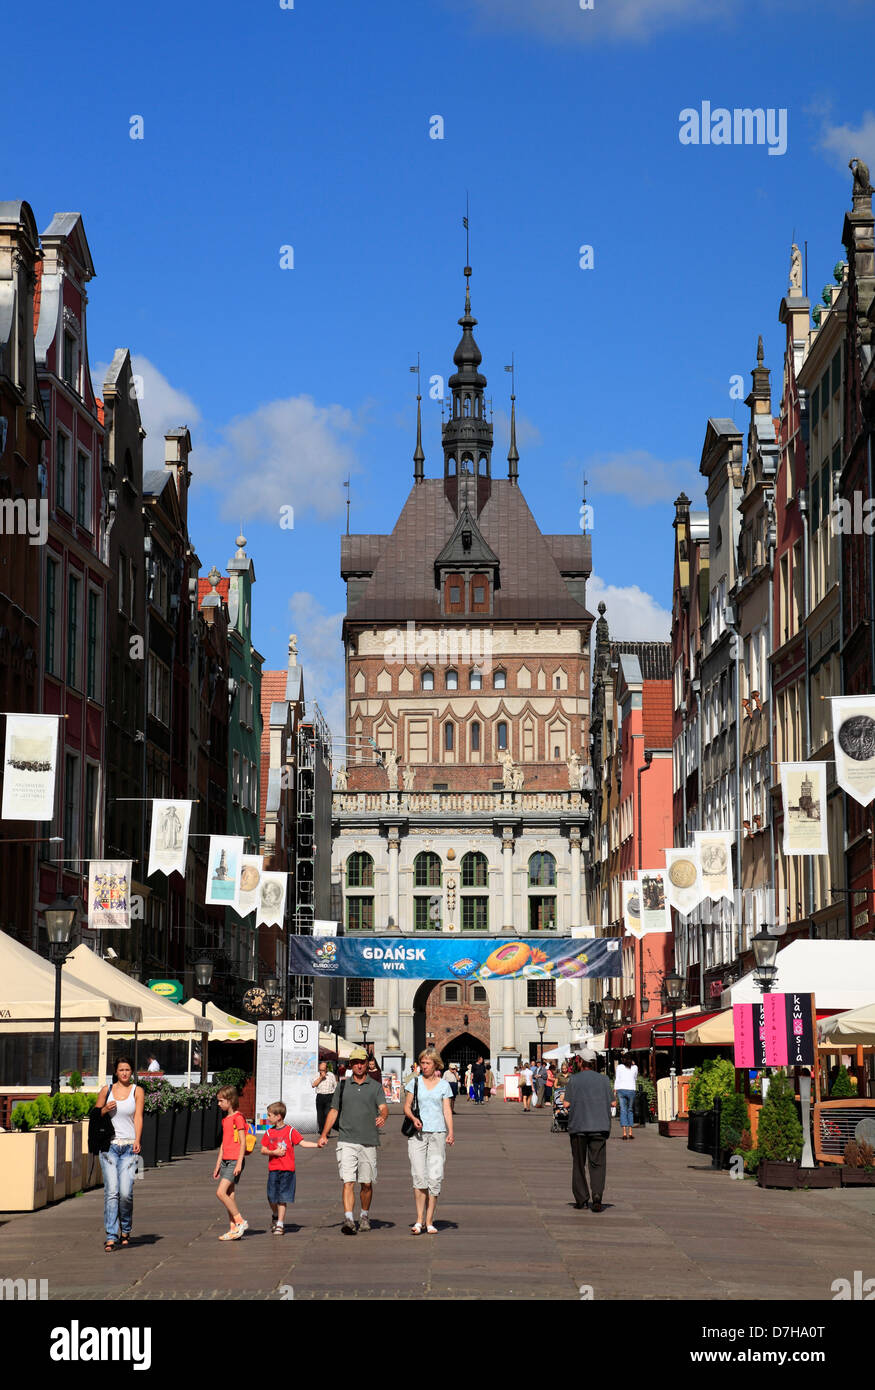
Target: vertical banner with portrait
632	907
223	870
271	908
714	848
109	894
168	841
803	793
683	879
249	885
853	729
655	914
29	767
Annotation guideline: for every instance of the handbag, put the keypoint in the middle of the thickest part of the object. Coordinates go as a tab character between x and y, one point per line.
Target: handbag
408	1128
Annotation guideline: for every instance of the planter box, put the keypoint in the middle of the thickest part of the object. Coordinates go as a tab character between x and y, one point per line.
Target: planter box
74	1156
149	1139
58	1171
164	1145
819	1177
212	1130
196	1131
856	1177
179	1140
791	1175
24	1170
670	1129
702	1131
92	1174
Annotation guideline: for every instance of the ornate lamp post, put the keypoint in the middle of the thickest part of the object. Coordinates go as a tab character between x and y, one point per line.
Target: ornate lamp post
335	1014
541	1025
674	986
203	973
765	949
609	1008
59	924
365	1021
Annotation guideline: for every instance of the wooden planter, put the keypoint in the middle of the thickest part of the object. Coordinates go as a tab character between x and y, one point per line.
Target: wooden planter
24	1170
197	1128
672	1129
74	1156
179	1139
856	1177
58	1170
772	1173
819	1177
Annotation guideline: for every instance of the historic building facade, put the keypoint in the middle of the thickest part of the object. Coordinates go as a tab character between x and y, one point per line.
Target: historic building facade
460	807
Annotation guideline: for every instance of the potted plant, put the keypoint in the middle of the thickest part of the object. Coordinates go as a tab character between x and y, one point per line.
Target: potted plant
158	1116
841	1088
859	1165
201	1099
646	1098
24	1161
181	1102
779	1138
715	1077
733	1124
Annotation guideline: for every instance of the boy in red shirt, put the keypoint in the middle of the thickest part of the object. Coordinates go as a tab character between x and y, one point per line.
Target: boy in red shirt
278	1142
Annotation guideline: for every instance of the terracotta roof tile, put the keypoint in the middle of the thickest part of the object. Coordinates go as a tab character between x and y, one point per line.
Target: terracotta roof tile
656	708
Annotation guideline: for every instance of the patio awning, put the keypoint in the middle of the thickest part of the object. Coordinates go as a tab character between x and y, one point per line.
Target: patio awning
657	1032
27	993
226	1028
156	1015
856	1028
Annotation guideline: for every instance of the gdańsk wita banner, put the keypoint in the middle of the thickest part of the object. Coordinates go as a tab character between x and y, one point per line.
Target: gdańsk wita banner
494	958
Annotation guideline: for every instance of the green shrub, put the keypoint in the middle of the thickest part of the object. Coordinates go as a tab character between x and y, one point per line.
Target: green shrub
779	1136
233	1076
715	1077
159	1097
24	1118
733	1120
647	1086
61	1107
43	1106
75	1081
841	1088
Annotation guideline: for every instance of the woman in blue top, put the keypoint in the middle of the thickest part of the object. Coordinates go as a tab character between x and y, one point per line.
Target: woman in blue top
426	1148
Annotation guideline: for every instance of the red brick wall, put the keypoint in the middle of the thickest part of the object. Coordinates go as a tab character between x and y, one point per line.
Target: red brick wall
446	1021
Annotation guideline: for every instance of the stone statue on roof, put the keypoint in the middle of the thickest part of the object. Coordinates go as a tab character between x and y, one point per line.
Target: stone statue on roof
390	762
795	270
575	771
341	782
408	775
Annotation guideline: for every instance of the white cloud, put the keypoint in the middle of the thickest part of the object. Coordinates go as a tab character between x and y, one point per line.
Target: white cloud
563	20
639	476
321	655
843	142
633	615
527	433
162	407
287	453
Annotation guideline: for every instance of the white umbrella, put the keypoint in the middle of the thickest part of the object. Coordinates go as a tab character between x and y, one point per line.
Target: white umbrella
558	1054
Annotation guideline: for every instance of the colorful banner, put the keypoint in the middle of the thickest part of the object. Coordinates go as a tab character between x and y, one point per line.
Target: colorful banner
803	792
683	881
493	958
632	907
109	894
29	766
853	731
287	1062
223	870
715	859
655	914
271	900
249	883
776	1032
168	840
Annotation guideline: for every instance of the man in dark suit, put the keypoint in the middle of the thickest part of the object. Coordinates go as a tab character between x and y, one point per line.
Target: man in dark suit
588	1105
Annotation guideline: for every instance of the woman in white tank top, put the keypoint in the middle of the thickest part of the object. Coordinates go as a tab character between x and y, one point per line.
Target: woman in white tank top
123	1103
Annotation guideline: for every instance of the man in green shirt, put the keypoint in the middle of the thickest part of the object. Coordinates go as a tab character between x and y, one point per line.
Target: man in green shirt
360	1110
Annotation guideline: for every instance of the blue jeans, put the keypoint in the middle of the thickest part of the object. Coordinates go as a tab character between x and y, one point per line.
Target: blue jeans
119	1165
478	1092
626	1117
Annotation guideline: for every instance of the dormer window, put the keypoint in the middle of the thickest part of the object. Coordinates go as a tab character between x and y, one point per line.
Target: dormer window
466	540
479	593
455	593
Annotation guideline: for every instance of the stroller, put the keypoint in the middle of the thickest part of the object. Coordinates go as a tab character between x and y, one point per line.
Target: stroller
559	1122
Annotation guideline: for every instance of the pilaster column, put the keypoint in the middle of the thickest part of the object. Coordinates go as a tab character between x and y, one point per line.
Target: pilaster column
393	1005
507	886
574	842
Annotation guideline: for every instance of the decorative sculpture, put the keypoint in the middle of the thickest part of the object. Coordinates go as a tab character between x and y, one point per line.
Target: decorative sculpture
795	269
575	771
408	776
341	779
390	762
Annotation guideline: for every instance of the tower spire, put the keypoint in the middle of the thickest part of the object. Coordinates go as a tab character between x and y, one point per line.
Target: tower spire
513	457
418	453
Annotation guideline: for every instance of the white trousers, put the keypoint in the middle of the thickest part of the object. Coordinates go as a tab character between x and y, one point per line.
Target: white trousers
427	1151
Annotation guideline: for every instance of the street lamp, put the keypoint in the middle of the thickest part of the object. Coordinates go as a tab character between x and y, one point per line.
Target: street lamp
765	949
271	986
203	974
365	1020
541	1025
59	923
674	986
609	1007
335	1013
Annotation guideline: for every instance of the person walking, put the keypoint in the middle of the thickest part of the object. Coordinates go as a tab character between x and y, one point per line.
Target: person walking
489	1089
588	1105
360	1110
428	1103
625	1086
549	1083
478	1080
540	1080
122	1104
324	1085
526	1088
231	1160
469	1081
451	1076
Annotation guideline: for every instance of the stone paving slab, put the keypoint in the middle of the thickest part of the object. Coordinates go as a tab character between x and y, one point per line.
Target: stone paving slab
673	1228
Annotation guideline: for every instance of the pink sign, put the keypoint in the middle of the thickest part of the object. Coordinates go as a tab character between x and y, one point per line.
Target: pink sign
775	1010
743	1025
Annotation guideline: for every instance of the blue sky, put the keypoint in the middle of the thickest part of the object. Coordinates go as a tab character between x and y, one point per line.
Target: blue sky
309	127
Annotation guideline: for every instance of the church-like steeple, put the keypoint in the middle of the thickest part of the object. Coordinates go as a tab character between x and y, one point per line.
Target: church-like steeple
418	454
513	458
467	434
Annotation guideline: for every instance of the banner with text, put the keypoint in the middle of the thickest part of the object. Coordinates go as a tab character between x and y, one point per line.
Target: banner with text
853	730
494	958
29	766
776	1032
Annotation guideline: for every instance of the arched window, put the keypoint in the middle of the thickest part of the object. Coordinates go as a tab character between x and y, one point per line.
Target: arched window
360	870
428	680
452	680
475	737
475	681
475	870
426	870
451	467
542	871
502	736
467	406
449	735
500	679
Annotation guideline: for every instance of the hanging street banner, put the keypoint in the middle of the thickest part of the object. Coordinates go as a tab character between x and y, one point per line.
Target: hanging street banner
803	792
714	850
632	907
683	879
271	899
853	732
109	894
29	765
223	870
251	869
655	915
495	958
779	1031
168	842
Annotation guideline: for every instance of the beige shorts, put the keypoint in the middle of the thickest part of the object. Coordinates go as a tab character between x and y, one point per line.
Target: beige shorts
356	1163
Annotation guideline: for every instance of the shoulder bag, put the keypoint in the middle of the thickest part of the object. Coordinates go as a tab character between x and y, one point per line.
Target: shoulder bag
408	1128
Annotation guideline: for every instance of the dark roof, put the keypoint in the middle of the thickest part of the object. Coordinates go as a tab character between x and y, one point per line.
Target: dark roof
359	554
573	554
154	481
654	658
402	585
477	553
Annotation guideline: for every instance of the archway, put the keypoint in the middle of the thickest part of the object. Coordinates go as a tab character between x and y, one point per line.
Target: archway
445	1010
462	1049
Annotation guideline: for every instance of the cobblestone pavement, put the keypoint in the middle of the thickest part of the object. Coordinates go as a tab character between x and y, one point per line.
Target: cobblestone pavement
672	1228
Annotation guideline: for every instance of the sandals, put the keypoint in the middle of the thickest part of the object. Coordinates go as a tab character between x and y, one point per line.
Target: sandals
431	1230
109	1246
236	1234
126	1239
416	1230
